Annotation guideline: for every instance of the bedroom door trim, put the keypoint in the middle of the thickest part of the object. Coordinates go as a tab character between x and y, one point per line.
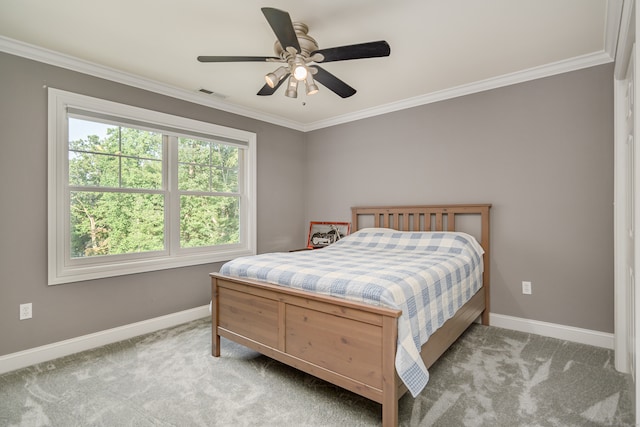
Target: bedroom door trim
626	208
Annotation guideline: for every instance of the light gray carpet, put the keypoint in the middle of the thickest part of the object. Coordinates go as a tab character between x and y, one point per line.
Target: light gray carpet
490	377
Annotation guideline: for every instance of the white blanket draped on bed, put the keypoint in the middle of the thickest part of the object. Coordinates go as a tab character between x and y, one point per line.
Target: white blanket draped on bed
427	275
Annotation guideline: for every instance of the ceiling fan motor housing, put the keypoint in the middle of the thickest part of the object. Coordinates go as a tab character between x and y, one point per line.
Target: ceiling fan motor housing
307	43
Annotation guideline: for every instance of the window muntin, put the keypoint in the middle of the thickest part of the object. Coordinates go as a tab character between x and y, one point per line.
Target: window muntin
134	190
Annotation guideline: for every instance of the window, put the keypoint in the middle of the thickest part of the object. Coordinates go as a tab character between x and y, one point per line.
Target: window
133	190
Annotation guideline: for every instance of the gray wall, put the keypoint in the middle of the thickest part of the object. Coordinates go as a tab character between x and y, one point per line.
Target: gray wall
65	311
541	152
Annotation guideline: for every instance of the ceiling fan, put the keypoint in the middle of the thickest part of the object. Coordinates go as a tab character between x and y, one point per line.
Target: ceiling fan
299	54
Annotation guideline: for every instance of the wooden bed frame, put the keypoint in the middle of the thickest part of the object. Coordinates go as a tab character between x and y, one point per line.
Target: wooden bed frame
352	345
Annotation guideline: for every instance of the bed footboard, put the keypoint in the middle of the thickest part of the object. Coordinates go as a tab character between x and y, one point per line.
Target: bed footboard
350	345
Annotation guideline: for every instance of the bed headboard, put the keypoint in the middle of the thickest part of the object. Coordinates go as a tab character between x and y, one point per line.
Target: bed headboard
430	218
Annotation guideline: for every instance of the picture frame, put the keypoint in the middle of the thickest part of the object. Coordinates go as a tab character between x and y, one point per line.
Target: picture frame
324	233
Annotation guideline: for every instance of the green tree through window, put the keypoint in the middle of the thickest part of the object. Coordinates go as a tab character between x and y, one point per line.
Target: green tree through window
207	168
117	190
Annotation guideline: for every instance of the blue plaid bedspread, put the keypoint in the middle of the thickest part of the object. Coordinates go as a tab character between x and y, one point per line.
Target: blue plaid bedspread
427	275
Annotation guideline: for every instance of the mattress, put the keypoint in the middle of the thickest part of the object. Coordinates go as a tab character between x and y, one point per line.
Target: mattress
427	275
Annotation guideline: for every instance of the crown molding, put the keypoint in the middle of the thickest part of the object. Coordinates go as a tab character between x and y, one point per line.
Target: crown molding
573	64
612	30
47	56
612	26
36	53
626	39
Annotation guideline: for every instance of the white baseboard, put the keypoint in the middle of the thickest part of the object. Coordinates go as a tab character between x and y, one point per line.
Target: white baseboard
22	359
553	330
32	356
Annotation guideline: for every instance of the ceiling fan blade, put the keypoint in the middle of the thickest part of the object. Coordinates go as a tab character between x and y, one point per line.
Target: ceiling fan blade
268	90
333	83
281	24
355	51
236	58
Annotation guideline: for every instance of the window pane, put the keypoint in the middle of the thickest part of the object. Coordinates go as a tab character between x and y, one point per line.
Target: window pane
96	170
225	179
141	143
141	173
115	223
194	177
113	156
88	136
207	166
207	221
225	163
194	151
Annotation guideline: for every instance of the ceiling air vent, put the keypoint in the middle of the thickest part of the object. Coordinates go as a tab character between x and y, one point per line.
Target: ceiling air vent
212	93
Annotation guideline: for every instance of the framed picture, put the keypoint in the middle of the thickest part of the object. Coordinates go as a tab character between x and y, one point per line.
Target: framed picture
323	234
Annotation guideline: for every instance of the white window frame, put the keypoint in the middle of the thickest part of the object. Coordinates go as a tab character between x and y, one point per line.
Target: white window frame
63	269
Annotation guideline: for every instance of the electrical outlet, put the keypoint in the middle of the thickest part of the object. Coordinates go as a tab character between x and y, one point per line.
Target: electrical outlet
26	311
526	288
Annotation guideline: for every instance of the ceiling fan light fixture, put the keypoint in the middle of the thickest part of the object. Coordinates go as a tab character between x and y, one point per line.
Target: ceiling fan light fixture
275	77
299	70
312	87
292	88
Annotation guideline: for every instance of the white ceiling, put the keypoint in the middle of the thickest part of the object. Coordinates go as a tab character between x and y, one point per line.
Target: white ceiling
439	48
